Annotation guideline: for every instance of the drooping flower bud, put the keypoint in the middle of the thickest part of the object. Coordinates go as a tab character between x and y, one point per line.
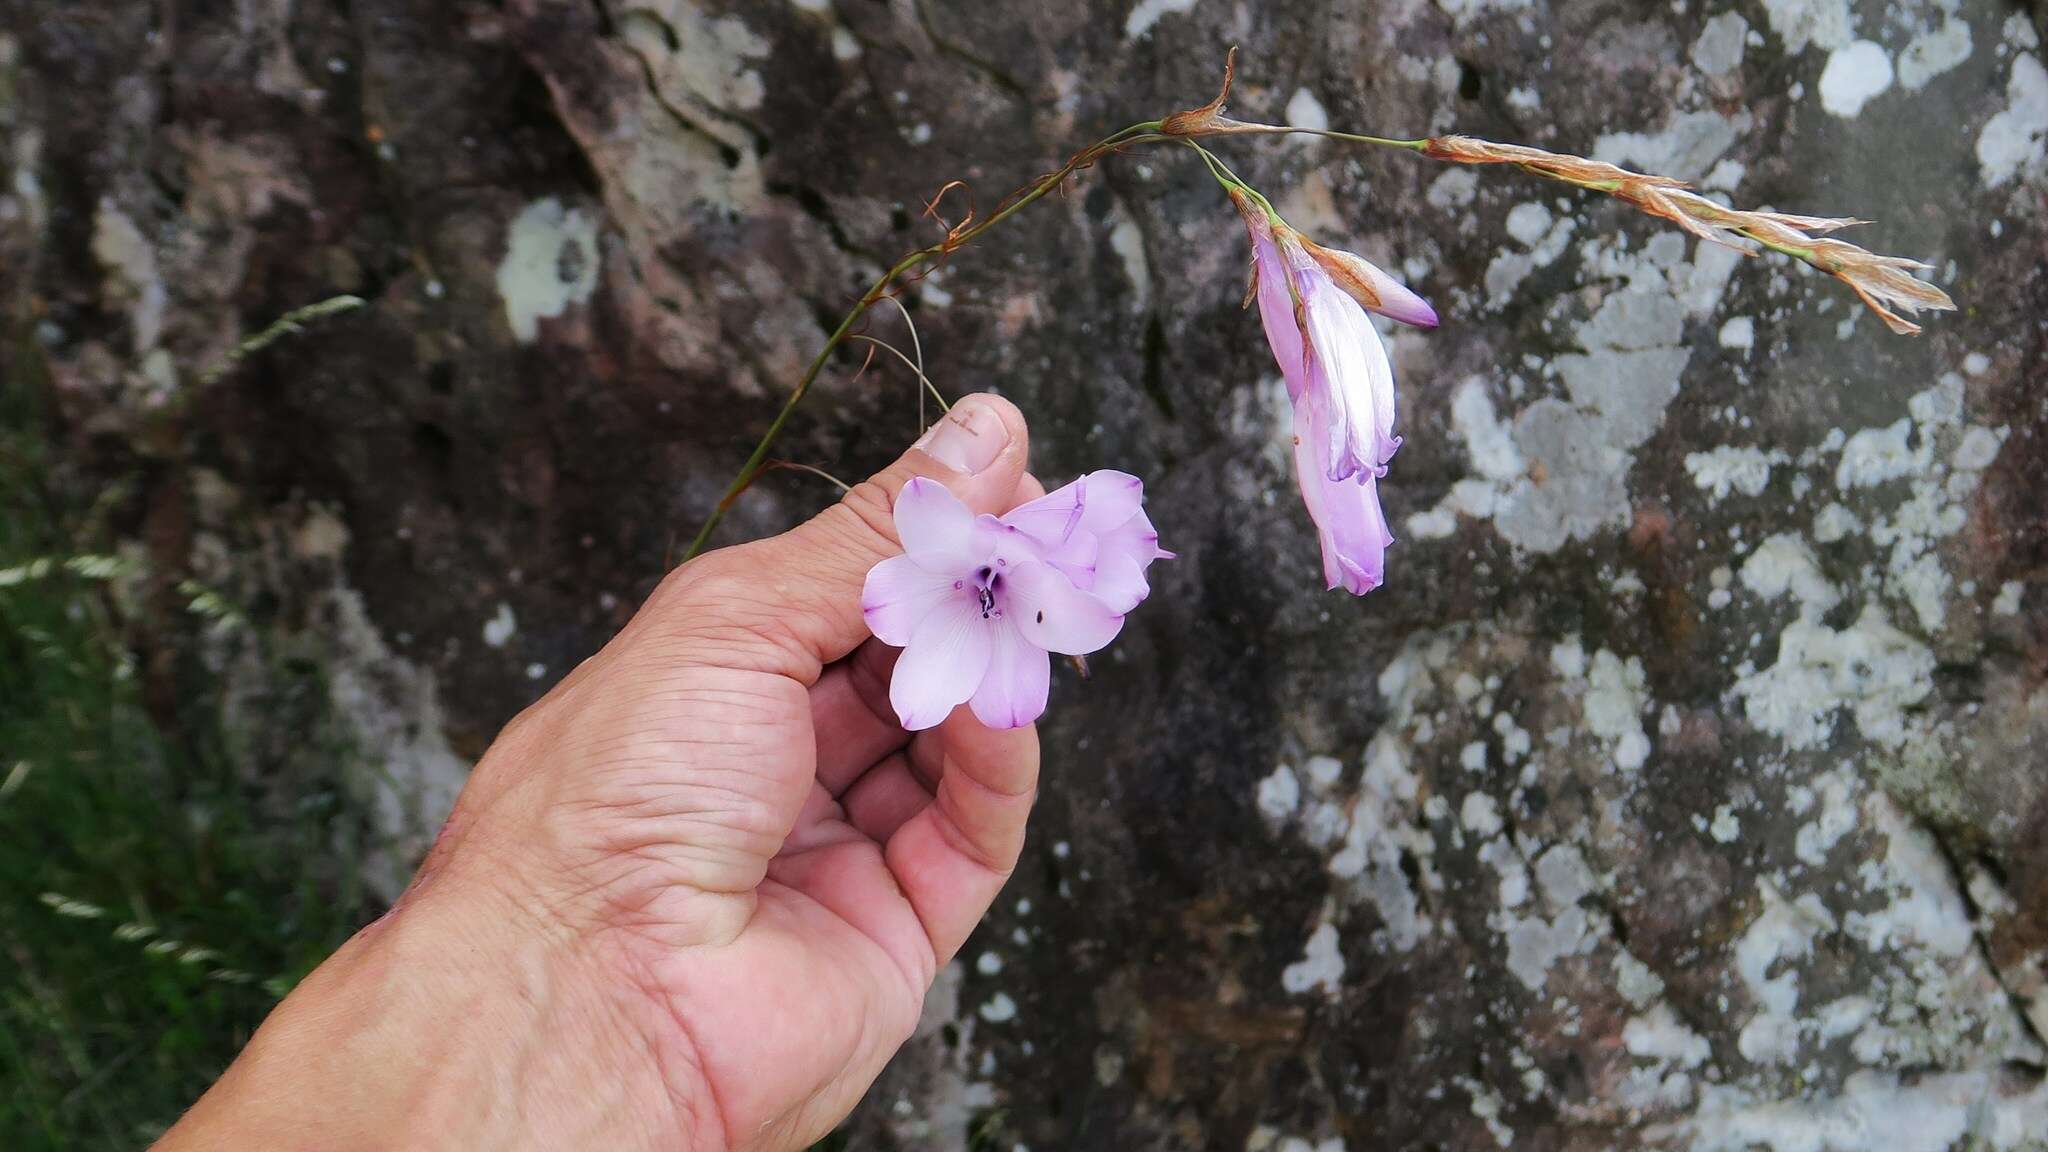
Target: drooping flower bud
1374	290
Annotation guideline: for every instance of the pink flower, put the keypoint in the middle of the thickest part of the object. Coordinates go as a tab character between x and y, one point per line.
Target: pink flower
1313	303
976	603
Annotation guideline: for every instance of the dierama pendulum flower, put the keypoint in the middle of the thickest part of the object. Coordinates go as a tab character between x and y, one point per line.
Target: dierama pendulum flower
977	602
1313	303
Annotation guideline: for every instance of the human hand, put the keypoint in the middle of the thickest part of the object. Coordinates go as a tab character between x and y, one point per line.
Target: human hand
693	897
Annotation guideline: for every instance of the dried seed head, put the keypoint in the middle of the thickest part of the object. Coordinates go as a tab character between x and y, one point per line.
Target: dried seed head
1884	283
1557	165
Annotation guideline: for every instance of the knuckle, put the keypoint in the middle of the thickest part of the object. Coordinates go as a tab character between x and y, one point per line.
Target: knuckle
867	513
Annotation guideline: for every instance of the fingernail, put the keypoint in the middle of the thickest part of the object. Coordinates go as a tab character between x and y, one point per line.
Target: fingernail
969	438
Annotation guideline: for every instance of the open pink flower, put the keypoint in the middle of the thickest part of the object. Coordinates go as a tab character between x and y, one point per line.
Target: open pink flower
1313	303
976	604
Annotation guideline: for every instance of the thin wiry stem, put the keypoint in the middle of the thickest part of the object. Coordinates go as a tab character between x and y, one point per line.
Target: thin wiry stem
917	346
961	234
921	377
1239	128
820	473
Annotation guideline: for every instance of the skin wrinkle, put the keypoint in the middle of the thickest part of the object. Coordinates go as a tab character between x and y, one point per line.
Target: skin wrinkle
651	992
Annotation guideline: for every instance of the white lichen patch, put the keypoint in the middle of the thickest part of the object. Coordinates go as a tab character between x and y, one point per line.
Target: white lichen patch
1454	189
1321	967
1506	271
1738	334
1925	909
1730	468
1560	926
1836	791
1826	24
998	1009
1305	111
1635	981
1490	447
1571	453
133	282
1145	13
1764	961
391	709
1876	456
2013	141
1718	50
1686	148
696	57
1933	52
1128	242
2007	603
1980	1109
499	629
1856	73
1279	795
1613	697
1870	669
550	264
1380	831
1783	563
1487	1106
1376	833
1479	814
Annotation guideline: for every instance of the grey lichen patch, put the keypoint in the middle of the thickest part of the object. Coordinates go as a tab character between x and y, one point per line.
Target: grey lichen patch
133	283
1571	455
550	264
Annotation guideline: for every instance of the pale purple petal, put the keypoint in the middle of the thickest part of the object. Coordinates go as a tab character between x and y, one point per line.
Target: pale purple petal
1108	499
1001	545
900	593
1013	690
1054	614
1350	375
942	665
1349	523
1119	574
934	526
1052	517
1076	558
1276	312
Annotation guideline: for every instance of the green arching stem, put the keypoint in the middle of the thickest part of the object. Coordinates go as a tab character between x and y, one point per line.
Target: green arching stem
1229	179
1237	128
1140	133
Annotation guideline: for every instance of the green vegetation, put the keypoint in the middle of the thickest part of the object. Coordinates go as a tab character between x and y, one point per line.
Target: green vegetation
164	874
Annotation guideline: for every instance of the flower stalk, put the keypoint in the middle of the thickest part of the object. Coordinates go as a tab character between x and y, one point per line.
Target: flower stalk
1885	284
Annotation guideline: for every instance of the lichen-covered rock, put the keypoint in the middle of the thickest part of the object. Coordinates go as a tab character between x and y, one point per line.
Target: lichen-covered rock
1687	785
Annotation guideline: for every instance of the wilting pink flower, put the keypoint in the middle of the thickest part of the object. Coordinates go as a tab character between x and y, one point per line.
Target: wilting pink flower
977	602
1313	302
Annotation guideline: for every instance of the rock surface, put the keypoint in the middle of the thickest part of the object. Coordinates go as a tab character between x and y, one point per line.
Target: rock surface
1687	785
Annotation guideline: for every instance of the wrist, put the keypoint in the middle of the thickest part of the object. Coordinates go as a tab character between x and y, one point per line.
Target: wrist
445	1024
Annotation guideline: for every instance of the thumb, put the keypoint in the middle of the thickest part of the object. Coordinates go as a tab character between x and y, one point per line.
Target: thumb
792	602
